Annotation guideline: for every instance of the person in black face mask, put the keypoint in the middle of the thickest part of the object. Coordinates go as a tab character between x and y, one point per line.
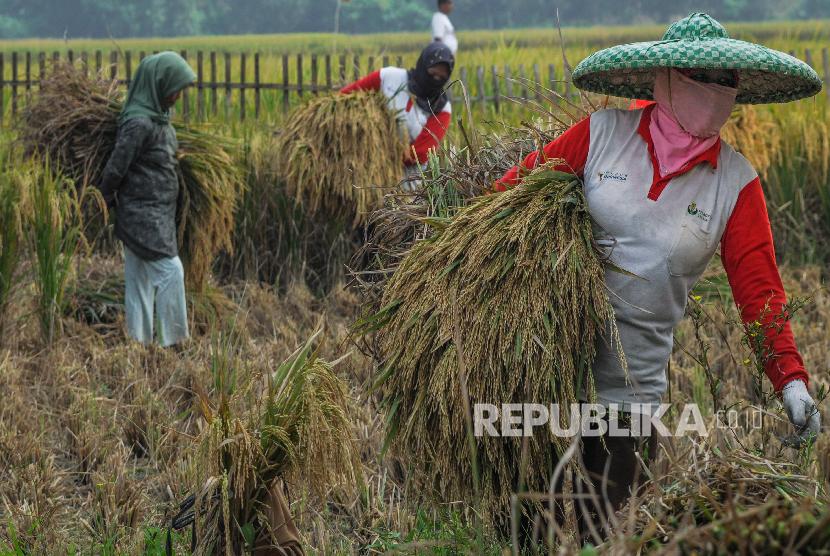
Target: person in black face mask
419	97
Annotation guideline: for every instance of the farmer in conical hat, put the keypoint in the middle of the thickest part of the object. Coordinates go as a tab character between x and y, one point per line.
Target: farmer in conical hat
418	95
664	191
140	181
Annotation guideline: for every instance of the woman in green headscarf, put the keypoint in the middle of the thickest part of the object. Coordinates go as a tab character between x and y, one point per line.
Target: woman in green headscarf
140	181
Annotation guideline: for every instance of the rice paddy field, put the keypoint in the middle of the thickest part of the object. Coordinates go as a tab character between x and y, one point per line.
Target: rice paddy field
101	439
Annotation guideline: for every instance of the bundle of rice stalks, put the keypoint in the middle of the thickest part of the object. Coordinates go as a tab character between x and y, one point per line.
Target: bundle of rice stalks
74	120
450	182
337	152
727	502
503	304
301	431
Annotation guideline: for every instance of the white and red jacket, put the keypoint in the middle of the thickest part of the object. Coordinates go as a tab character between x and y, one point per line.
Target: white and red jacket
425	130
665	230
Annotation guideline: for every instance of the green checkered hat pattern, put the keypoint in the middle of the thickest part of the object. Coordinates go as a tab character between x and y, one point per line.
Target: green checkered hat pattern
698	41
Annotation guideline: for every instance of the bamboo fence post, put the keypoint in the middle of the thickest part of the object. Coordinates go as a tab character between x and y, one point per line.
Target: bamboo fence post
356	69
114	65
285	99
242	87
314	69
85	62
200	85
300	76
825	64
128	67
257	92
28	77
228	91
14	83
508	81
185	95
99	61
213	92
328	72
41	73
342	70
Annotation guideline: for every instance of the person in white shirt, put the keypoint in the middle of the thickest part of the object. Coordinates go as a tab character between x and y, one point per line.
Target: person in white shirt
442	29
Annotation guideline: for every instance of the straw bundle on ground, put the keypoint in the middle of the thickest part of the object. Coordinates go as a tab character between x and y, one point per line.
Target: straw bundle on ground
510	298
337	152
726	502
73	120
297	428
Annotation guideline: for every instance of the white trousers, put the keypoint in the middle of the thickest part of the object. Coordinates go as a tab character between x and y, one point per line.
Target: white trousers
160	285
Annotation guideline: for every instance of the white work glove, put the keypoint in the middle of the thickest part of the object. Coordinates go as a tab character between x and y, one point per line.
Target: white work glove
802	411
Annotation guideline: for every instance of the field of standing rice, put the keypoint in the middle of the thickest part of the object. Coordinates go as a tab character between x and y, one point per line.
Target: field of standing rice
101	439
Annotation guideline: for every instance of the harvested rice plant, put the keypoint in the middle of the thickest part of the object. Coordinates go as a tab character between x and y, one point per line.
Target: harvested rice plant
342	331
338	153
472	304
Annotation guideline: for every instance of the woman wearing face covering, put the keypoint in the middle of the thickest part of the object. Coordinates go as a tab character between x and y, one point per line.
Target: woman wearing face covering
664	192
418	96
140	182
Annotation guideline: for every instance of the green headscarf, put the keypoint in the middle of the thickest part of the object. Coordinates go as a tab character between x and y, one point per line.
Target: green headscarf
157	77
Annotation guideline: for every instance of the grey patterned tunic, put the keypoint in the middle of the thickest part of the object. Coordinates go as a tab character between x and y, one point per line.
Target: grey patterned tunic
141	178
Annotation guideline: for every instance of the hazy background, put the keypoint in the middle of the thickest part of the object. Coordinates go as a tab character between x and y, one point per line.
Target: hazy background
143	18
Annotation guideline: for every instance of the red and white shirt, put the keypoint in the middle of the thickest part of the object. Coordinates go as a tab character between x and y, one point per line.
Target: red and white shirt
665	230
425	130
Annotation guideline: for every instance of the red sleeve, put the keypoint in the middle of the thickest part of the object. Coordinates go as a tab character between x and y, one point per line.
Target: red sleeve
571	146
432	134
369	83
748	256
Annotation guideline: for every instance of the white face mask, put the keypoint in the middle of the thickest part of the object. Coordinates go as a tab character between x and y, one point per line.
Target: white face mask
701	109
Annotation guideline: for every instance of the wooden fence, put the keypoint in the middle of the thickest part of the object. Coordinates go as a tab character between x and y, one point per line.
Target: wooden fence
287	79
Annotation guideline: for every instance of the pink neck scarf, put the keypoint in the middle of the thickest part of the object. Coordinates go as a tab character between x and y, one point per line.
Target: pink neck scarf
687	119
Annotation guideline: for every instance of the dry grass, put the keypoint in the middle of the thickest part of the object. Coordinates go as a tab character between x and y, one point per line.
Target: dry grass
337	153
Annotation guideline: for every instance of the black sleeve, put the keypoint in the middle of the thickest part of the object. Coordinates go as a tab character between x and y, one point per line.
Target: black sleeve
132	136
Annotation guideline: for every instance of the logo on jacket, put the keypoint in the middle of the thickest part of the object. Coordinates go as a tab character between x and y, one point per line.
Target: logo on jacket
694	211
616	176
